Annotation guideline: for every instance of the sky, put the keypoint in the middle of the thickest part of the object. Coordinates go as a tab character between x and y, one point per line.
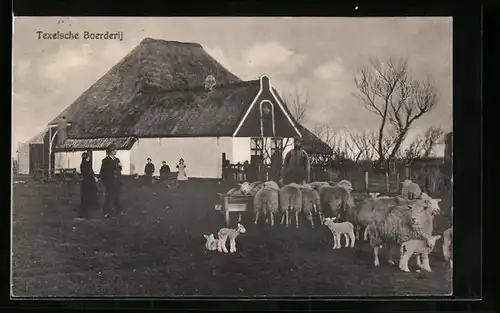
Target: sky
317	56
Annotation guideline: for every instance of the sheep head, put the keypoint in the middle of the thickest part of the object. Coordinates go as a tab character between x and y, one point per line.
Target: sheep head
241	229
432	241
422	213
245	188
374	195
211	242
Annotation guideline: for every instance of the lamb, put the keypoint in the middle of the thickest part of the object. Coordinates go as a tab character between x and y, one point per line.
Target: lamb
339	229
448	246
420	248
410	190
290	200
211	244
232	234
345	184
310	203
266	200
401	223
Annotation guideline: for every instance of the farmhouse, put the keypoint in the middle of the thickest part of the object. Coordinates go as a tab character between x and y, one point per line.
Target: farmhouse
169	100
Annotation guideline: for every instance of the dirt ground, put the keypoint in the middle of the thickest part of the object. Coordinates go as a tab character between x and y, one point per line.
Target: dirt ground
157	249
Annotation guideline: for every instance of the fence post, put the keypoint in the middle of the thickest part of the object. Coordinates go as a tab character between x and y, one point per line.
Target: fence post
366	181
397	181
387	182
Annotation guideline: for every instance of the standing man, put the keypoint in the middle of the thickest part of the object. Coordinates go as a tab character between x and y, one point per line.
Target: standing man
296	167
110	174
149	169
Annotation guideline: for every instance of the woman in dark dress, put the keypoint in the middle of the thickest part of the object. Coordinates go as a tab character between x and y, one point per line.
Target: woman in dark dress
89	188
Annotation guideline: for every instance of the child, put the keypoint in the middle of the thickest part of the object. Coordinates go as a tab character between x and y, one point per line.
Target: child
181	175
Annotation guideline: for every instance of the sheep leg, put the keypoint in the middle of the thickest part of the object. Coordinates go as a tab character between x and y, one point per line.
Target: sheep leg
311	219
365	235
256	217
219	244
232	245
287	217
425	261
353	239
390	248
358	228
297	218
403	261
375	255
271	216
282	218
419	262
224	248
335	240
346	240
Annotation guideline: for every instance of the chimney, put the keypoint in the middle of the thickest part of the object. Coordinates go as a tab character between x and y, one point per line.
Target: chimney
62	132
265	82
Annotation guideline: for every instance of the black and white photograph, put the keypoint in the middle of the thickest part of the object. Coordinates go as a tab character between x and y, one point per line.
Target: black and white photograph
232	156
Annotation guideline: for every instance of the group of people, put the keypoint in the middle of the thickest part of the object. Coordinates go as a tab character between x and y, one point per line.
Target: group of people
296	168
149	170
111	176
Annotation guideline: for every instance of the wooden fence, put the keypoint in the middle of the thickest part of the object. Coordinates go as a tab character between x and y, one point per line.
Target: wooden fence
431	179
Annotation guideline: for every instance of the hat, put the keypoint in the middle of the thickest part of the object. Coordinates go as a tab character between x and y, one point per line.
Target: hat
148	159
110	148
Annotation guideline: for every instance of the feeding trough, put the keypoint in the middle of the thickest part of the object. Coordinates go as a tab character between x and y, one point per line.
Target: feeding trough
234	204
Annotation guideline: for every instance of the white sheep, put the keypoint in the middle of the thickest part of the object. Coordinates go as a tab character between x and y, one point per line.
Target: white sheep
339	229
420	248
266	200
232	234
345	184
290	201
401	223
211	244
410	190
310	203
317	184
448	246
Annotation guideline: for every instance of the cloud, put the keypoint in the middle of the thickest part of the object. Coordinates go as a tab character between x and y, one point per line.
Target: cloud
272	55
330	70
58	66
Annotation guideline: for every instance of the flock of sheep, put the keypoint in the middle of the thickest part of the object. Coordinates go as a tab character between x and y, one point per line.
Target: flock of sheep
404	221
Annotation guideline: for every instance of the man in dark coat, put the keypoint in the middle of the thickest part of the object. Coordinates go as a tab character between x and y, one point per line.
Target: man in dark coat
88	200
149	169
110	174
296	166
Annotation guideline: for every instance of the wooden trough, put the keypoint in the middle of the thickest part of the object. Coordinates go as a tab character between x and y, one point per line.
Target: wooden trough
234	204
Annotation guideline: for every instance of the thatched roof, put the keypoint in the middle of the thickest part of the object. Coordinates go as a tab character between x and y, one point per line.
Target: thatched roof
154	66
96	144
38	139
313	144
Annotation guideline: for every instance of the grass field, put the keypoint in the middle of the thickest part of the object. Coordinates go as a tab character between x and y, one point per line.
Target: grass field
159	251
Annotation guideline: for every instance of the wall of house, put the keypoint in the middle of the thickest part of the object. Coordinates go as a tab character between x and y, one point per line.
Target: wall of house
23	158
98	155
241	150
73	160
202	155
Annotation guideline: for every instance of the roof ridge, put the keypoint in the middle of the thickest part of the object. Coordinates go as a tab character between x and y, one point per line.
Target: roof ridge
172	42
202	87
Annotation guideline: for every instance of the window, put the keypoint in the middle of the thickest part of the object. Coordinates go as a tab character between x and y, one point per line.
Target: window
276	145
267	119
257	146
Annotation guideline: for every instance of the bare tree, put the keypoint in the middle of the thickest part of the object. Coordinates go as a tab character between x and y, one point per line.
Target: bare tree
363	145
297	101
387	90
421	146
